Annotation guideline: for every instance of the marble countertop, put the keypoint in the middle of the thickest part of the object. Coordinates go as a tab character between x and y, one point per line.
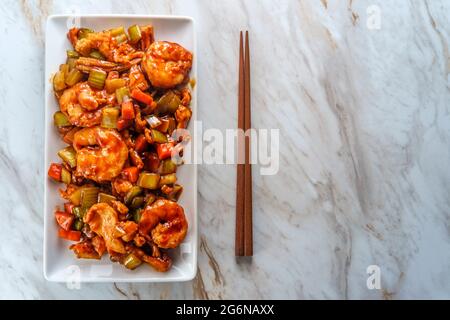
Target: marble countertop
360	93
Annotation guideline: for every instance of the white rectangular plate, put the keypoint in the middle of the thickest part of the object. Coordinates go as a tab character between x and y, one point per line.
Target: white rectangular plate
60	263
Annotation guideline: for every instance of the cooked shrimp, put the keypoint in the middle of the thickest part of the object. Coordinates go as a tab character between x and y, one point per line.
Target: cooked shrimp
166	221
166	64
81	104
102	219
108	46
101	153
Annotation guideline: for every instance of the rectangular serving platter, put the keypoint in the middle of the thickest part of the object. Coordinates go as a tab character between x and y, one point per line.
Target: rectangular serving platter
60	263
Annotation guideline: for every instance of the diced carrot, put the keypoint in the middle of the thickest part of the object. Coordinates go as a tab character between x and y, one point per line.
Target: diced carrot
71	235
68	207
164	150
123	123
131	174
140	143
141	96
127	110
54	171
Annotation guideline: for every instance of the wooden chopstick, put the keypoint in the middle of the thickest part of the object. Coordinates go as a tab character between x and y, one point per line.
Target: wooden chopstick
248	207
244	219
239	241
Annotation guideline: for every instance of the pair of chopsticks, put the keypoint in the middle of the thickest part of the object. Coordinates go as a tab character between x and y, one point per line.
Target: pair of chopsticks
244	219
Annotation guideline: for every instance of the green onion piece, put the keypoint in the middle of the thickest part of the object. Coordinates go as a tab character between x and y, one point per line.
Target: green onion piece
121	93
60	119
110	115
97	78
117	31
59	81
168	103
158	137
149	180
137	215
137	202
168	179
176	192
121	38
66	176
78	225
79	212
72	54
168	166
96	55
105	198
131	194
149	199
135	34
89	196
111	85
131	261
71	62
83	32
69	155
73	77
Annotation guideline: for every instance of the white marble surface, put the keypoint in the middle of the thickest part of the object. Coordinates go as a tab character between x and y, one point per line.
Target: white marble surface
365	126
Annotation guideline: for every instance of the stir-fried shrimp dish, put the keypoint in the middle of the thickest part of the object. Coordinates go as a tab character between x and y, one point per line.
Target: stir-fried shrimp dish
121	96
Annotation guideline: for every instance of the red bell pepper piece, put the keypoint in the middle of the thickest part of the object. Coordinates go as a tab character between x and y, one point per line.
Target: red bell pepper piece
164	150
64	219
68	206
123	124
71	235
127	110
54	171
140	143
131	174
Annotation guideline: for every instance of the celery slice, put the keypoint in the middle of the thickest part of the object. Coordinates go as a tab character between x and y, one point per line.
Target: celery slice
66	176
72	54
96	55
135	34
73	77
168	179
158	137
168	166
110	115
60	119
89	196
121	93
105	198
131	194
111	85
137	202
132	262
69	155
97	78
149	180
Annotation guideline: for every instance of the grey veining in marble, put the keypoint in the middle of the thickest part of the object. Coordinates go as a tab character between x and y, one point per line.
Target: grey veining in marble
364	159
